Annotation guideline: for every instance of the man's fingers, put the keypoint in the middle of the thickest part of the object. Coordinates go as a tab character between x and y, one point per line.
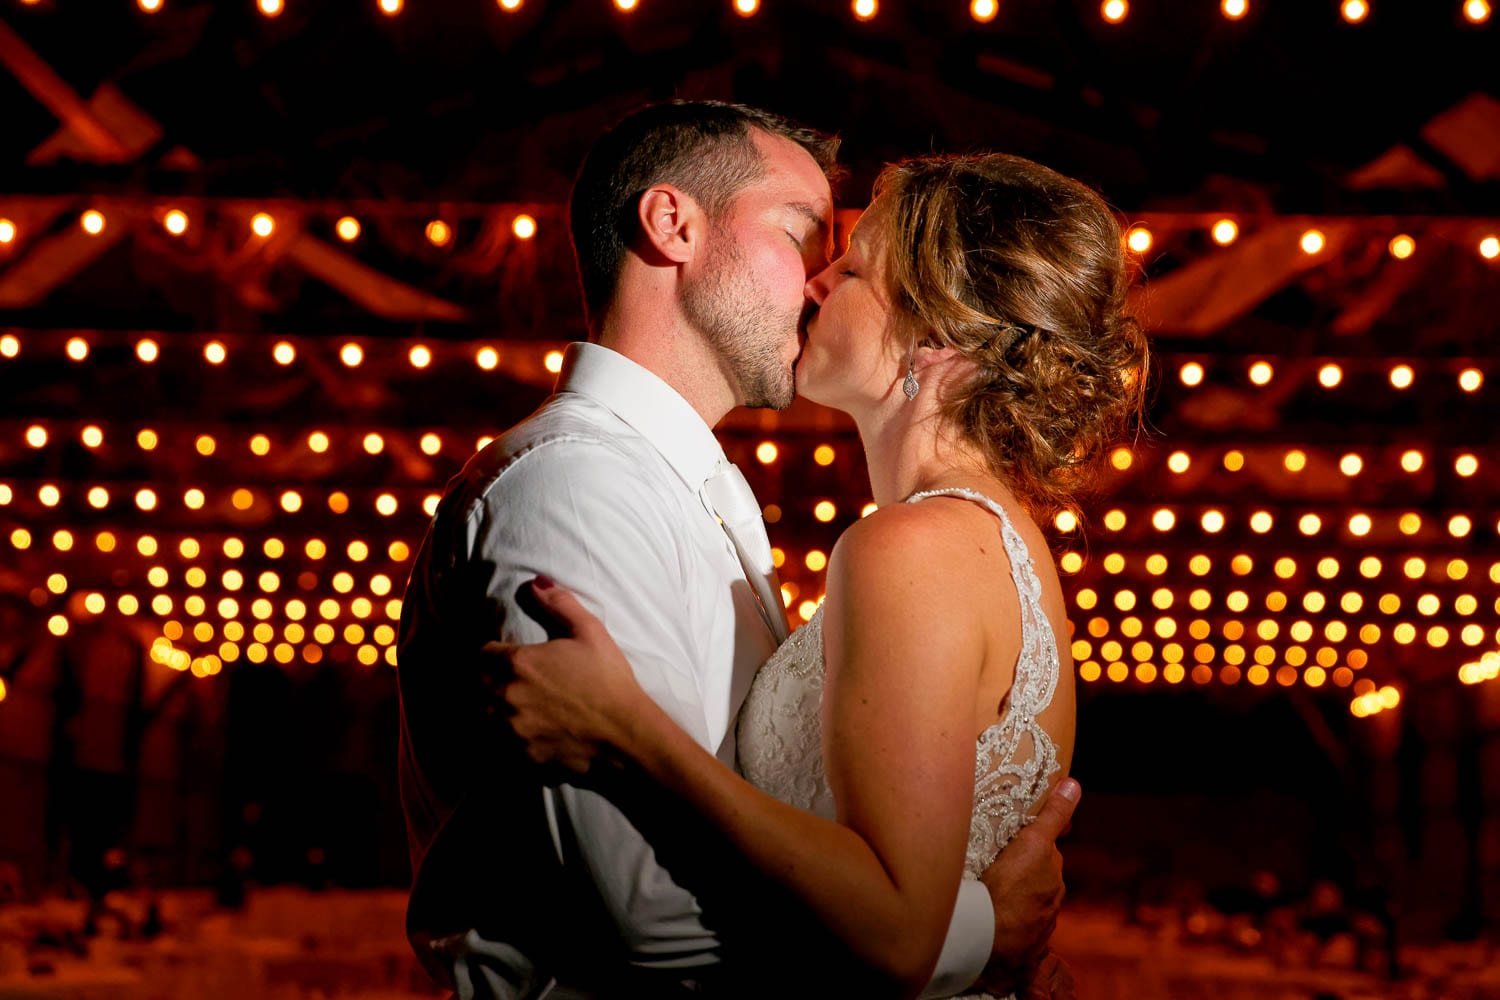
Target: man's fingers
1057	811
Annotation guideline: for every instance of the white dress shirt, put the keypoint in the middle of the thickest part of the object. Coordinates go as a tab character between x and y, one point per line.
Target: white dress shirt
602	490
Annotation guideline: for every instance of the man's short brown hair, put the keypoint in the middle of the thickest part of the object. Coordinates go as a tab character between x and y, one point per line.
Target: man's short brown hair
705	148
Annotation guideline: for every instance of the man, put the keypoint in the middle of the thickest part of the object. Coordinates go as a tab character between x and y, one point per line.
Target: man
696	227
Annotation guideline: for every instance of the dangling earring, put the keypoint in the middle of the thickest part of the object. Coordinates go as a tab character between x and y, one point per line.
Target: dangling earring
910	385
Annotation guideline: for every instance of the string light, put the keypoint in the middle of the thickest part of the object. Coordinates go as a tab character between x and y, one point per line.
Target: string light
146	350
864	10
487	358
77	348
1261	372
524	226
1138	239
270	8
1330	375
626	5
92	222
439	233
1234	9
1114	11
1402	377
1489	247
347	228
510	5
1477	11
1313	241
553	361
175	221
215	353
1355	11
391	7
766	452
420	356
984	11
10	345
1470	379
261	224
352	355
7	231
1402	246
1225	232
284	353
1191	374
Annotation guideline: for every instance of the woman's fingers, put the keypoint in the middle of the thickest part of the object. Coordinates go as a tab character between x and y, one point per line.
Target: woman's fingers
562	604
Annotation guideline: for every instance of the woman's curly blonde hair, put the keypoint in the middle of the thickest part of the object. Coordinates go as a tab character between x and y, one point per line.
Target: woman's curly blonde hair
1021	270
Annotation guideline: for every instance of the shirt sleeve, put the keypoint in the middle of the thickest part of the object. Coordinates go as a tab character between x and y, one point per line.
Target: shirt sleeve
966	951
582	513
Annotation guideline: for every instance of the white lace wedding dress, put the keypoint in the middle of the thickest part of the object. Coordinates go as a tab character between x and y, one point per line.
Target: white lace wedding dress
780	730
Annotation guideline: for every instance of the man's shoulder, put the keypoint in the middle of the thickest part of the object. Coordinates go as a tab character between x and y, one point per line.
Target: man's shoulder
570	440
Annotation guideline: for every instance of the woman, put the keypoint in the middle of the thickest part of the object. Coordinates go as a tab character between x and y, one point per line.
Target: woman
894	744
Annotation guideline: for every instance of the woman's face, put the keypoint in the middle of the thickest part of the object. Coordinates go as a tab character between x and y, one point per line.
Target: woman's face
850	360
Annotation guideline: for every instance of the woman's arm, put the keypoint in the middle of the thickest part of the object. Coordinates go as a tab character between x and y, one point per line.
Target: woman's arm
898	732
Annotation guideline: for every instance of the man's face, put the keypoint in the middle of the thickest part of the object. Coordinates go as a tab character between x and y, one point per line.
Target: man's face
748	299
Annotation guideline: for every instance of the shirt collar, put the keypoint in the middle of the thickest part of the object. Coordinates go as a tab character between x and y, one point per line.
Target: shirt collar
648	404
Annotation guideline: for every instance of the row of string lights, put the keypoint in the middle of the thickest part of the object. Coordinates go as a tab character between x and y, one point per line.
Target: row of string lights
352	353
263	225
1139	238
1164	519
982	11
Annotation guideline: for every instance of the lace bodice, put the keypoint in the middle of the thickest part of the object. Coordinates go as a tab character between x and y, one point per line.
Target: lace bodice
780	725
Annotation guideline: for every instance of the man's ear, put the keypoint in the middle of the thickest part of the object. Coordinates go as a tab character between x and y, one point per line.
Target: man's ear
671	224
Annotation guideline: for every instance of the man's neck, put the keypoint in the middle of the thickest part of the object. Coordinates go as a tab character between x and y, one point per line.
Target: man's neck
664	346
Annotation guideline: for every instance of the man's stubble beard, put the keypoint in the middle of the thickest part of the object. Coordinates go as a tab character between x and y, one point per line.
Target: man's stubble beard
744	329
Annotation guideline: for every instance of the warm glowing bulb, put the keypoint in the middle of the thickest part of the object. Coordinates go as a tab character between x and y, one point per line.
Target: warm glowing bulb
824	454
1355	11
1402	377
626	5
420	356
439	233
553	361
1138	239
93	222
487	358
7	231
347	228
262	225
1313	242
524	226
77	348
1261	372
1466	465
1225	232
865	9
284	353
1477	11
1066	520
36	436
1191	374
1114	11
317	441
1351	465
385	504
391	7
1470	379
1330	375
1295	460
431	444
270	8
1163	520
214	352
10	345
1402	246
1234	9
825	511
374	443
1489	247
175	222
510	4
352	355
984	11
766	452
1213	522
